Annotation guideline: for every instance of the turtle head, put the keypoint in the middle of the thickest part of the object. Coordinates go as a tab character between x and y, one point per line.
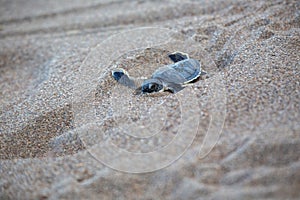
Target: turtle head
152	85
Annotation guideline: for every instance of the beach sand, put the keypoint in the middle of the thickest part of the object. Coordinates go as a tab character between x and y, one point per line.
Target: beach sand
58	100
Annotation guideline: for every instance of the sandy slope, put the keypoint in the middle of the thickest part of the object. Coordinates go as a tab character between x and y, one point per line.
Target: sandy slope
53	74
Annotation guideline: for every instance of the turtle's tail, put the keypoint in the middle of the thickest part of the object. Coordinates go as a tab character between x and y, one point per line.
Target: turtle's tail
123	78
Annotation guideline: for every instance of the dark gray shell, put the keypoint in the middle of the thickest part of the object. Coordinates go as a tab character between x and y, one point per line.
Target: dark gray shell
181	72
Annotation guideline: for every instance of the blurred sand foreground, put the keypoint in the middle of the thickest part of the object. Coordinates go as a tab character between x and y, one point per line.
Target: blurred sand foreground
252	45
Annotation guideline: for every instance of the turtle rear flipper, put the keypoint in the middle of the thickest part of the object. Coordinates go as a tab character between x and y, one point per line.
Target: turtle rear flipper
123	78
178	56
203	73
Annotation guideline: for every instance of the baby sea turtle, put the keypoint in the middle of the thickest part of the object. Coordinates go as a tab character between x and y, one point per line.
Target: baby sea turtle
171	77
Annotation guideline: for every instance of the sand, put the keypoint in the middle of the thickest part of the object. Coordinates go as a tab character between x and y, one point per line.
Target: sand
61	109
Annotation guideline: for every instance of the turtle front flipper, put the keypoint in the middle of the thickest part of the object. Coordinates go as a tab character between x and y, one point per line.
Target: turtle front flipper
174	87
123	78
178	56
